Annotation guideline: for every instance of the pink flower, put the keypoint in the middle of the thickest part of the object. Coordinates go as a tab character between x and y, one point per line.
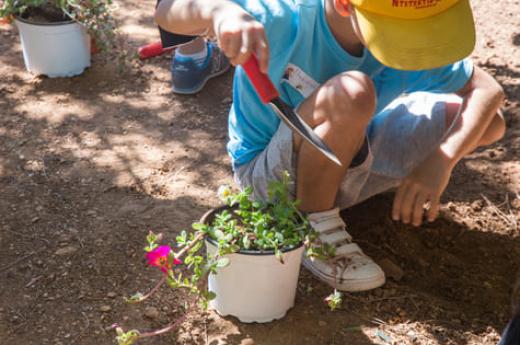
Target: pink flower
159	257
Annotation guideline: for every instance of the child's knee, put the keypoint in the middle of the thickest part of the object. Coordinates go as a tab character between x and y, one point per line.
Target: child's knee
353	97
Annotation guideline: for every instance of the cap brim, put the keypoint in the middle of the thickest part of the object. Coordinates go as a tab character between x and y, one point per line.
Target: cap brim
416	44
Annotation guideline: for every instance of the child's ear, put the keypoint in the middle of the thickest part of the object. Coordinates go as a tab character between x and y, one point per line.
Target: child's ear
341	7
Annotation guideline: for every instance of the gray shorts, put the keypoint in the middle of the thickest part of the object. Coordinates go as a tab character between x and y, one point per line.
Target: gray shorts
400	137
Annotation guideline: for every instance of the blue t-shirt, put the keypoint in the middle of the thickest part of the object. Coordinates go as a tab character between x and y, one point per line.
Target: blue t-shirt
303	55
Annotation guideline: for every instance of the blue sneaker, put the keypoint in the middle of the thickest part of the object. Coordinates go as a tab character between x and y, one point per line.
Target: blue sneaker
188	77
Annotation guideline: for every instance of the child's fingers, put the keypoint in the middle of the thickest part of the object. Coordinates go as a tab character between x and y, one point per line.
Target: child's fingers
246	47
433	212
262	50
223	43
247	40
230	40
398	200
407	204
253	41
235	42
418	209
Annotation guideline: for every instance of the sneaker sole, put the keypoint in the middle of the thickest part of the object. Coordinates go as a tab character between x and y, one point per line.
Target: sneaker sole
201	86
348	286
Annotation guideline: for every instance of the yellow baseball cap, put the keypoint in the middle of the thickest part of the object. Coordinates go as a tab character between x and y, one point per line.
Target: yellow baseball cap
416	34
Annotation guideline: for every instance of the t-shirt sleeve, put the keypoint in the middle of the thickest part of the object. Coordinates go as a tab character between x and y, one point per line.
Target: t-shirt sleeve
278	18
447	79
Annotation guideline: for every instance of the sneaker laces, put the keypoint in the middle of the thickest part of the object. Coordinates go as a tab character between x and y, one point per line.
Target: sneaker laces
332	230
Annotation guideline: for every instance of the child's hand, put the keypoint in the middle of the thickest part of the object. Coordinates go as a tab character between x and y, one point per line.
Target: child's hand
239	35
424	185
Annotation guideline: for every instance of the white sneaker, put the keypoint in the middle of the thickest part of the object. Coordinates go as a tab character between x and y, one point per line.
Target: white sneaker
351	270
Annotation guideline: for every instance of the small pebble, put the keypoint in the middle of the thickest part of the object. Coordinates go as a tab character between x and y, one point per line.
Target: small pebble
391	269
105	308
151	312
69	250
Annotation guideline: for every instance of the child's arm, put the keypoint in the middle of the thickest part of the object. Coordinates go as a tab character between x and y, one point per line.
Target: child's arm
237	32
479	124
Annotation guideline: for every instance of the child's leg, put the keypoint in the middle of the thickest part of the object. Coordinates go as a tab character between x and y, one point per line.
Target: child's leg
197	45
339	111
169	39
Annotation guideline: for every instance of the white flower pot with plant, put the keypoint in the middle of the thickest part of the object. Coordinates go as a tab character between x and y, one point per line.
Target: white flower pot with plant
255	286
252	260
54	49
56	34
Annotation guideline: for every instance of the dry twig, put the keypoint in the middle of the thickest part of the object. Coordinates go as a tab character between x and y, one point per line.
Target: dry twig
509	219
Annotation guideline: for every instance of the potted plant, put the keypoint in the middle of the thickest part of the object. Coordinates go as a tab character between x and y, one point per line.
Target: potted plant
252	261
56	35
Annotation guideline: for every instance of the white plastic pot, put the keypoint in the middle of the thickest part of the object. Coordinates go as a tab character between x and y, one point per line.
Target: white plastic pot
54	49
255	286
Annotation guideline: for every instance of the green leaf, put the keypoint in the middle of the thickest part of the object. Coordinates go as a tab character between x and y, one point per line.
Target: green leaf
199	226
246	242
196	248
150	247
127	338
188	260
334	300
211	295
222	262
182	238
219	234
203	304
151	237
228	237
134	298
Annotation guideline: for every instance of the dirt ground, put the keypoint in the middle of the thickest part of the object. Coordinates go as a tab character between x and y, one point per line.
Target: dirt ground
89	164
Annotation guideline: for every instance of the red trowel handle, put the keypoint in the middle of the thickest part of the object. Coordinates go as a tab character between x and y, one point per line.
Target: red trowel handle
151	50
263	85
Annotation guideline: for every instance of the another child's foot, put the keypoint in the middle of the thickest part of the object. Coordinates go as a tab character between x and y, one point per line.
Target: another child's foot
351	270
189	75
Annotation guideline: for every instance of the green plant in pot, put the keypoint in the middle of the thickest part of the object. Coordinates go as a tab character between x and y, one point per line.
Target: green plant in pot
251	263
56	35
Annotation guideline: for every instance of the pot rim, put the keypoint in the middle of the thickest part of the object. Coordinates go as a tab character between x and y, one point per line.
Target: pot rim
204	220
23	20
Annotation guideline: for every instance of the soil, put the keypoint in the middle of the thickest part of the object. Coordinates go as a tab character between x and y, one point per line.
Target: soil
45	14
89	164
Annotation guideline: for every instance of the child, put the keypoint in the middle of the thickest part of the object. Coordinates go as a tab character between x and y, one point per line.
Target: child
371	78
